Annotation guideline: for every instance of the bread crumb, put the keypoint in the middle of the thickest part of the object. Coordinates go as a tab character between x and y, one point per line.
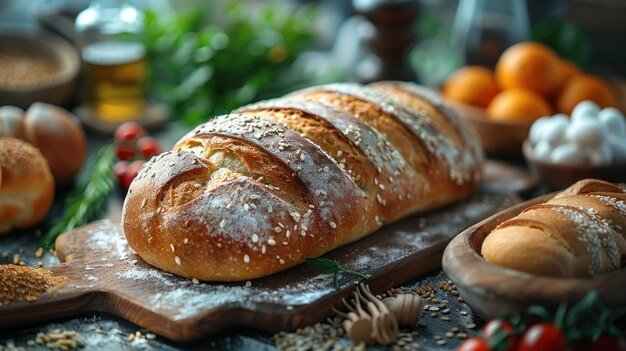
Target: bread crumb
25	283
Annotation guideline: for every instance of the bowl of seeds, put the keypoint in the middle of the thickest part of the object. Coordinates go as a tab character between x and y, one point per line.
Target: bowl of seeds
37	67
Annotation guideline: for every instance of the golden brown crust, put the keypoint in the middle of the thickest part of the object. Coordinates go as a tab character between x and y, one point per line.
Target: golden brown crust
260	190
581	230
26	185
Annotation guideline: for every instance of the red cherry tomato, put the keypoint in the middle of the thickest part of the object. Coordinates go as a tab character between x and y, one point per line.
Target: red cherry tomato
543	337
119	169
495	325
473	344
607	342
131	173
148	147
128	131
124	153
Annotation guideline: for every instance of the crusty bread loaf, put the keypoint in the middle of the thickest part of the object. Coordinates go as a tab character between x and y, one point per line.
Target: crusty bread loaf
578	233
257	191
26	185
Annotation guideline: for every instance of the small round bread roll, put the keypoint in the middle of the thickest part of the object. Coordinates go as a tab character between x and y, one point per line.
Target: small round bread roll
26	185
59	137
12	122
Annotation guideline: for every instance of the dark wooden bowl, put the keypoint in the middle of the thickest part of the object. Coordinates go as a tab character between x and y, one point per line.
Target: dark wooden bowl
498	138
490	289
559	176
60	86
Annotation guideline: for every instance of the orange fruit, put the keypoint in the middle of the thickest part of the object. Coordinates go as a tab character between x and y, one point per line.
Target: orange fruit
518	105
474	85
585	87
568	71
530	66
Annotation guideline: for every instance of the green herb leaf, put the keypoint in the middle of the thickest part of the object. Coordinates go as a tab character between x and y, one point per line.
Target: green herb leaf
332	266
199	70
540	312
324	264
88	200
559	316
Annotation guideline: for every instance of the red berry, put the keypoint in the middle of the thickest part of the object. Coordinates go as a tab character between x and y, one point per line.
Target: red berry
128	131
131	173
543	337
123	153
119	169
148	147
473	344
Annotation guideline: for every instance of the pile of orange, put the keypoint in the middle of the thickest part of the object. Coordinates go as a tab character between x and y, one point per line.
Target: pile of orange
530	81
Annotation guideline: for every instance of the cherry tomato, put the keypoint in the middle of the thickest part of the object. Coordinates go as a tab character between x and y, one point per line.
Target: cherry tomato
148	147
473	344
128	131
124	153
495	325
119	169
131	173
543	337
607	342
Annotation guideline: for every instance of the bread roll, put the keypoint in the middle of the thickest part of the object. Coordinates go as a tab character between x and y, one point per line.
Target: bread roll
59	137
259	190
26	185
579	233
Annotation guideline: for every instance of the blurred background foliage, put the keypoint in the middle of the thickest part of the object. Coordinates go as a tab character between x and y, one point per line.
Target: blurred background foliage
207	60
201	70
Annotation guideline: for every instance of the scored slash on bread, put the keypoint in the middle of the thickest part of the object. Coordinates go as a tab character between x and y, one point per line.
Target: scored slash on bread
579	233
259	190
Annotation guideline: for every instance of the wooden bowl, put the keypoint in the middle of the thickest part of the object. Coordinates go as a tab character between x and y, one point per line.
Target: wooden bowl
50	63
558	176
490	289
501	139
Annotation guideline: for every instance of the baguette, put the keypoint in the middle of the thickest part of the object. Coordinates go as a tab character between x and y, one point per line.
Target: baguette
579	233
259	190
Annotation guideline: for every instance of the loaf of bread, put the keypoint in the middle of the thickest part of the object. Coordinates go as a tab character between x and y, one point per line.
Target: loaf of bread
579	233
26	185
259	190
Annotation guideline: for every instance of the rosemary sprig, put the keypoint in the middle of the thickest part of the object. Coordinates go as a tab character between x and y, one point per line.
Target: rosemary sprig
87	200
332	266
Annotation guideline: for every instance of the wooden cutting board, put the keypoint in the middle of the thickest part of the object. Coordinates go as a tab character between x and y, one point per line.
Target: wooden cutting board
104	275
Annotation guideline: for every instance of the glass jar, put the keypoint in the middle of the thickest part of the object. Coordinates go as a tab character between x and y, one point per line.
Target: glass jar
113	52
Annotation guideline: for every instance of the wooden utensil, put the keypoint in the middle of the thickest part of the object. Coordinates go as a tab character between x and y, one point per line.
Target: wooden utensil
105	276
491	289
